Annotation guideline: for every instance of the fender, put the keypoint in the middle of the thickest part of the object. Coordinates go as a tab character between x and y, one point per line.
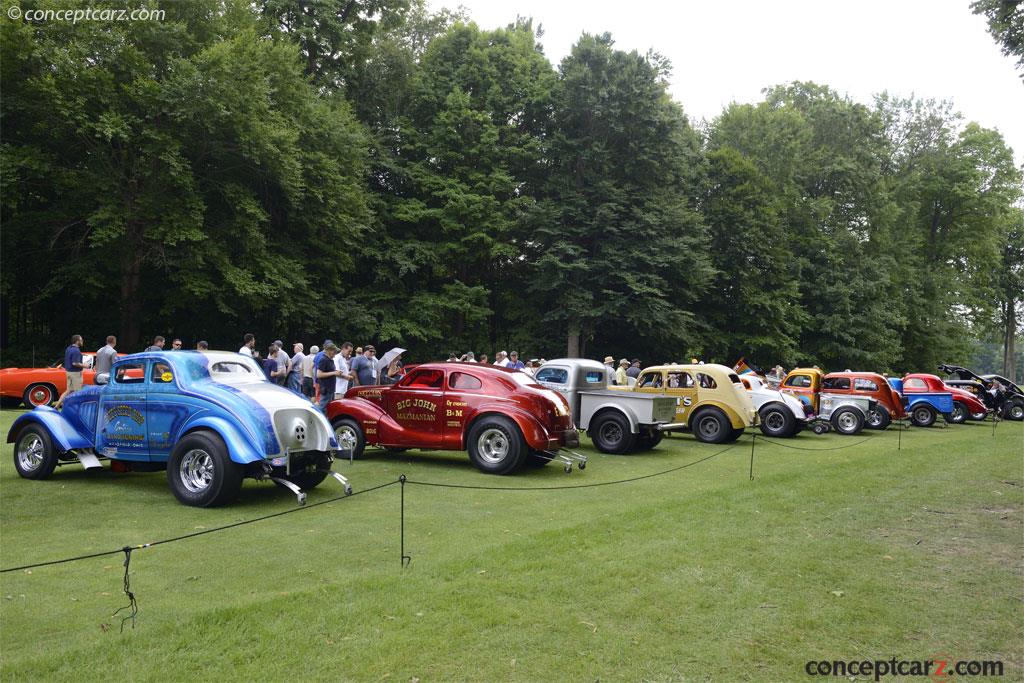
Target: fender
533	431
735	420
363	411
634	425
943	403
241	448
795	412
64	436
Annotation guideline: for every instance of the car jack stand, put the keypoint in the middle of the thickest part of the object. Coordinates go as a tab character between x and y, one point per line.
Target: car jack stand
291	486
566	461
344	482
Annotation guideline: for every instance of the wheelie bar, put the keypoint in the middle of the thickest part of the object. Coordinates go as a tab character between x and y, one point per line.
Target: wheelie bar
291	486
568	460
344	482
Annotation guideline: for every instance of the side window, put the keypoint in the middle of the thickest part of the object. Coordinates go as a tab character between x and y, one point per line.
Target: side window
460	380
706	381
801	381
915	383
553	375
836	383
161	373
864	385
595	377
679	380
130	373
650	380
426	379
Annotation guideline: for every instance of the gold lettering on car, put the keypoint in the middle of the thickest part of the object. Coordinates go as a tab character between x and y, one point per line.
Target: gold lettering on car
416	403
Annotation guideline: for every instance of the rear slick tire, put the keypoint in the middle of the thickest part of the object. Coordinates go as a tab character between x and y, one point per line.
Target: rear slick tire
777	420
923	416
496	446
710	425
847	420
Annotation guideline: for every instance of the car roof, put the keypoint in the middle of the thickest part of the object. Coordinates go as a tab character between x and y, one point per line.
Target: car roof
691	367
460	366
857	374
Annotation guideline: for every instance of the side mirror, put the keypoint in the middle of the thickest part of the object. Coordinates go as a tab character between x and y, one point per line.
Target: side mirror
102	378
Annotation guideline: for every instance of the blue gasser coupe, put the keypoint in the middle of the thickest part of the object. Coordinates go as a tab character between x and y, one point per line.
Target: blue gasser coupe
210	418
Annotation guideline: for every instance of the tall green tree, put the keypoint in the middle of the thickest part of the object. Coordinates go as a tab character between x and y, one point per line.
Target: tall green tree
953	185
624	257
1006	24
460	166
822	155
752	304
173	175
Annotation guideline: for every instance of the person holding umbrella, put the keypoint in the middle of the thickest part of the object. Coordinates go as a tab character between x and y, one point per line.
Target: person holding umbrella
392	371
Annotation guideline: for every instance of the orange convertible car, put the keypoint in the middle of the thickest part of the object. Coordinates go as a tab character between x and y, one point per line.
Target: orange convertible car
39	386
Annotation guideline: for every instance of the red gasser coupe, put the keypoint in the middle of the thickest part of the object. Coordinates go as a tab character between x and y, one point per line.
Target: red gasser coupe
502	417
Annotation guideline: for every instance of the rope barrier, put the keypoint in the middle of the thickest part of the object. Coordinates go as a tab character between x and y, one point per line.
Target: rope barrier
576	486
800	448
128	549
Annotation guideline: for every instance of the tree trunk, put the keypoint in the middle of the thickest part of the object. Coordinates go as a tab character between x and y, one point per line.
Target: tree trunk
131	304
574	341
1009	340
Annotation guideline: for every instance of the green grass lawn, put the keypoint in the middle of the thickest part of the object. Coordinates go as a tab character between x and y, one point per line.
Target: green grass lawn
701	574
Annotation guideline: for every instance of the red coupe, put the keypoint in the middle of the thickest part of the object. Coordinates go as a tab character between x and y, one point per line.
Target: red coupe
502	417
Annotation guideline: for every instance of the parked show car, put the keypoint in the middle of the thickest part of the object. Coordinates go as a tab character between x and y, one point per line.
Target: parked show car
1007	403
503	417
616	420
847	413
925	397
40	386
888	404
781	414
710	400
209	418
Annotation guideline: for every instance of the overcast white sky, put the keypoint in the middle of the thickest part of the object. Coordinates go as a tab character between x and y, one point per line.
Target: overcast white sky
728	51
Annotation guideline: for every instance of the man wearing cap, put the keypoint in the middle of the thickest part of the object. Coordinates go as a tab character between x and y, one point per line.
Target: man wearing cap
609	369
634	369
364	367
327	375
621	378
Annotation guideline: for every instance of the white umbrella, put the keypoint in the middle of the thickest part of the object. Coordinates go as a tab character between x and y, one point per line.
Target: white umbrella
386	359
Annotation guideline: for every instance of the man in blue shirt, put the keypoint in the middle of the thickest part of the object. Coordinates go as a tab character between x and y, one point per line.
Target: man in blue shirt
73	365
363	367
513	361
327	373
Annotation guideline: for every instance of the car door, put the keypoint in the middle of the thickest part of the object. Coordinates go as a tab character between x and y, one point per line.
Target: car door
802	385
415	404
167	409
122	427
463	395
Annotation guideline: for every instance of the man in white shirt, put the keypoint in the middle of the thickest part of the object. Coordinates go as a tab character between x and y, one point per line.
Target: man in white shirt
341	363
501	360
249	345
